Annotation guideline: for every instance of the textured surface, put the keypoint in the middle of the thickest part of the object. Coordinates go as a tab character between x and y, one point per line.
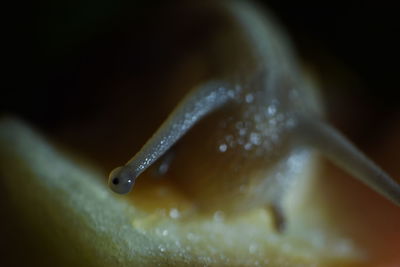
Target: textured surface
83	223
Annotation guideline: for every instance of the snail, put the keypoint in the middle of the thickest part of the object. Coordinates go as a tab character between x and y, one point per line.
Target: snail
259	118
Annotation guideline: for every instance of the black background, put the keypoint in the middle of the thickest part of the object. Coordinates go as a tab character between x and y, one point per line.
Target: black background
59	51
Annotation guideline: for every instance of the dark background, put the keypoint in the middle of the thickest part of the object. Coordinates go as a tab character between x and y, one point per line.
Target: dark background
60	52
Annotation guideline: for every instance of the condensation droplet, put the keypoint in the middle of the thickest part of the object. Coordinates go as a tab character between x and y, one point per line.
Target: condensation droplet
174	213
253	248
219	216
161	248
223	147
249	98
248	146
163	168
255	138
271	110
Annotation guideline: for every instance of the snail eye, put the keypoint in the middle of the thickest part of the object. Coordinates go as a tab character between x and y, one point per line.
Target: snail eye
115	181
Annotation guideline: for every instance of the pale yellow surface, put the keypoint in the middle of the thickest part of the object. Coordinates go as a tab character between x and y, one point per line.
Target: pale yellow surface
84	223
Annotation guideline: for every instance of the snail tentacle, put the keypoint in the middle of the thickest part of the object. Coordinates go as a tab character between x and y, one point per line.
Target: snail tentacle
344	154
196	105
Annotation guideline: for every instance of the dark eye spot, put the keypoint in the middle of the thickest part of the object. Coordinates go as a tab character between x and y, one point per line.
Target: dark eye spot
115	181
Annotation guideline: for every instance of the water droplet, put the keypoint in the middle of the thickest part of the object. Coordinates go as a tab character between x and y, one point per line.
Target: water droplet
174	213
271	110
211	97
253	248
163	168
255	138
249	98
161	248
219	216
248	146
223	147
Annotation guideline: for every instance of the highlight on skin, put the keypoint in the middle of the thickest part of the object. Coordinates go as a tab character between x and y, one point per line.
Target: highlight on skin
194	107
276	86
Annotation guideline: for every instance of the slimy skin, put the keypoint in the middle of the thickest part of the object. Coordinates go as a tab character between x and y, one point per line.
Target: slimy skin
193	108
344	154
259	117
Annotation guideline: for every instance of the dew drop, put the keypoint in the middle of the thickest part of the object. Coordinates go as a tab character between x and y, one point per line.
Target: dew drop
161	248
249	98
162	170
248	146
253	248
219	216
174	213
255	138
223	147
271	110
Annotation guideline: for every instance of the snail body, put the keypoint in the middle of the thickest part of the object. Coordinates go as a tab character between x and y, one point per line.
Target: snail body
258	118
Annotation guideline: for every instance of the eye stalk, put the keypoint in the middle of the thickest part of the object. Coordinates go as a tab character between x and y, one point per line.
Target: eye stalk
121	180
197	104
